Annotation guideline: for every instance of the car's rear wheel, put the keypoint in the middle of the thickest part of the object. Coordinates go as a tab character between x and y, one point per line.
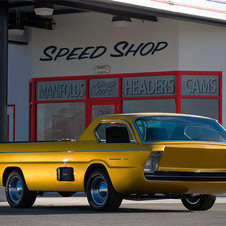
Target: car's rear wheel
101	194
198	202
17	193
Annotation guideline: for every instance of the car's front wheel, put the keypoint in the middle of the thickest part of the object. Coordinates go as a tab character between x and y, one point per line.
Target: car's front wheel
198	202
101	194
17	193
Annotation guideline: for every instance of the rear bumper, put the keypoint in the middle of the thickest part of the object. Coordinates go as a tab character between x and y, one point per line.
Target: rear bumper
186	176
134	181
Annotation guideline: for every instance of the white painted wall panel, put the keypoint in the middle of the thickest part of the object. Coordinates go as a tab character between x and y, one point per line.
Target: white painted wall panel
18	88
203	48
90	29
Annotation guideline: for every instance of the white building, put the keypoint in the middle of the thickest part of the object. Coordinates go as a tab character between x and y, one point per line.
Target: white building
63	78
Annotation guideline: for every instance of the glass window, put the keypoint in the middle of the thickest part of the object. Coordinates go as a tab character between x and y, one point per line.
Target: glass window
154	105
113	133
99	110
171	128
205	107
60	120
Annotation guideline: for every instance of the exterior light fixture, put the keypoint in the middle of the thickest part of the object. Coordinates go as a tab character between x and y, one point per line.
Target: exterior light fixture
102	69
43	8
16	30
121	21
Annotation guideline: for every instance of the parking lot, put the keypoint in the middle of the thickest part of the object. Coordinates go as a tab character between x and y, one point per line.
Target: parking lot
76	211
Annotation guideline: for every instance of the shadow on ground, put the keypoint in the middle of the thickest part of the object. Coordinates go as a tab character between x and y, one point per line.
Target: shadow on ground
52	210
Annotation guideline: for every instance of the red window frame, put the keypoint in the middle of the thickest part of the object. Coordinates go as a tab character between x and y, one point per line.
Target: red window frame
117	100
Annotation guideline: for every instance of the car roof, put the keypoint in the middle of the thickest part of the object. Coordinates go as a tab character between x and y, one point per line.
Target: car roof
129	117
132	116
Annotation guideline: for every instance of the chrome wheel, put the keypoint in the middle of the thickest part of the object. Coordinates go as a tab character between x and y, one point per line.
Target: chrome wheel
101	194
193	199
17	193
99	191
197	202
15	189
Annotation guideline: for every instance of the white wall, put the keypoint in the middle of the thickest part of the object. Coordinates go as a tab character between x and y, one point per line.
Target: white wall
191	46
92	29
18	88
203	48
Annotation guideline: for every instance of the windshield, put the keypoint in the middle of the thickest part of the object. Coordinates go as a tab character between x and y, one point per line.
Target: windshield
179	128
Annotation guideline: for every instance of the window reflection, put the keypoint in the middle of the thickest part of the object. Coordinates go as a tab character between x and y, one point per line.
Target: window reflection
173	128
60	120
153	105
205	107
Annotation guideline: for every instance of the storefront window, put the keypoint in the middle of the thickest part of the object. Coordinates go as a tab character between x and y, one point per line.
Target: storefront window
63	108
153	105
56	121
99	110
204	107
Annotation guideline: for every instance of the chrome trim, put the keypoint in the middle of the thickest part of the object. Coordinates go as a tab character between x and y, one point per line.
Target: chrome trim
74	151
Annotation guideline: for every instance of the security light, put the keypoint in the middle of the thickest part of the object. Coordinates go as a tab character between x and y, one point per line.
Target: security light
121	21
43	8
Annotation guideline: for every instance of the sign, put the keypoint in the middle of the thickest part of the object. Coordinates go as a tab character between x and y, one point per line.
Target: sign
60	90
120	50
104	87
148	86
214	9
199	85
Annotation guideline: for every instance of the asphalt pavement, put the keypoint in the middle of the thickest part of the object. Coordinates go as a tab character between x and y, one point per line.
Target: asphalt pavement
76	211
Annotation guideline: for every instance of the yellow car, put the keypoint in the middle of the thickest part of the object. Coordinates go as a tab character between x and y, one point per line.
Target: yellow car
123	156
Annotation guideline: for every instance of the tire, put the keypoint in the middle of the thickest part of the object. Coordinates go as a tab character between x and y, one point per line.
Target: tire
101	194
198	202
17	193
66	193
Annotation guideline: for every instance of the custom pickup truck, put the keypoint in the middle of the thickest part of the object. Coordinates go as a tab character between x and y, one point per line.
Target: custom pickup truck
125	156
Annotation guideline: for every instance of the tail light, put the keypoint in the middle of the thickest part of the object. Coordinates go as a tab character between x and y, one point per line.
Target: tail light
153	162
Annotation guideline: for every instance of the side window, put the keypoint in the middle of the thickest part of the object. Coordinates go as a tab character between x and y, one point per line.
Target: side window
113	133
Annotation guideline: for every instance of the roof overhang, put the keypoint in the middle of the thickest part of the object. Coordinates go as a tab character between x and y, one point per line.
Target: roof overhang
203	11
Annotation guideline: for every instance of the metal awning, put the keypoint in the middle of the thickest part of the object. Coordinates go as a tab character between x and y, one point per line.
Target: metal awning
28	17
201	11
